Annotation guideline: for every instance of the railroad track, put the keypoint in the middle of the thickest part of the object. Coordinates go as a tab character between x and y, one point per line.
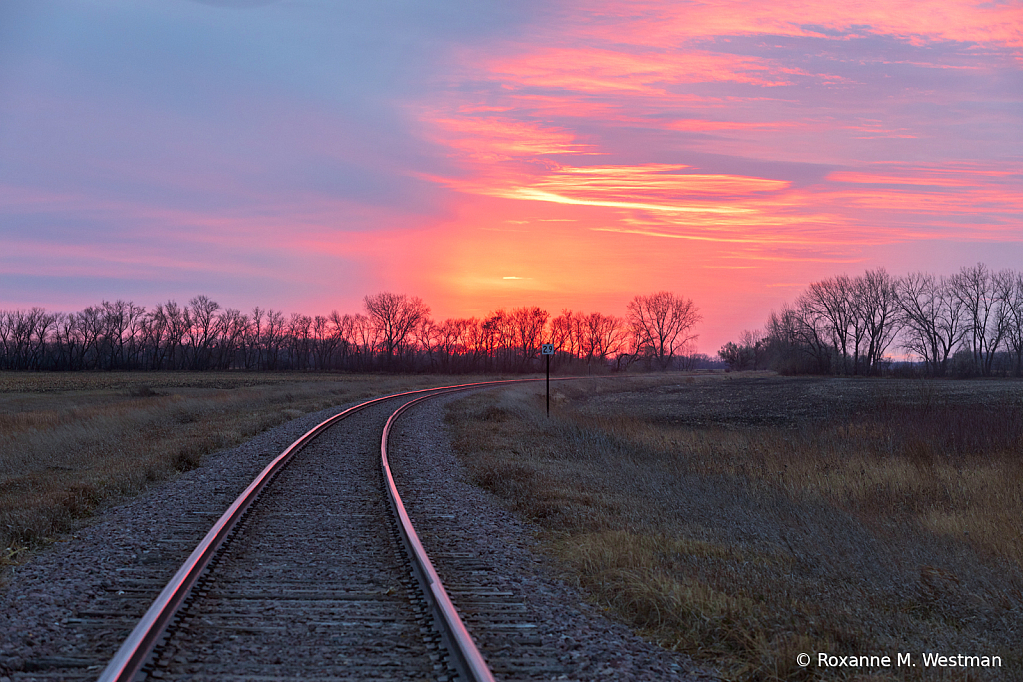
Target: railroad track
316	572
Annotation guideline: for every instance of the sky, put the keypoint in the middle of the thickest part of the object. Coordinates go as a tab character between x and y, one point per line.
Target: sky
301	154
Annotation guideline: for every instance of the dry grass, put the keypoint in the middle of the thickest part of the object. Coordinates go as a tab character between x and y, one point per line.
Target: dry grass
71	442
883	518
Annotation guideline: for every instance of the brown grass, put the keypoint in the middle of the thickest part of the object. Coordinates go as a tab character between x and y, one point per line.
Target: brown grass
883	519
70	443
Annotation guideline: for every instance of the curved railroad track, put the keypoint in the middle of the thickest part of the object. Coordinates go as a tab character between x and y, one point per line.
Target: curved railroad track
316	572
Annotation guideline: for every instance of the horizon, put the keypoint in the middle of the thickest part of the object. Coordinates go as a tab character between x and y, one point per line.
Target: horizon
689	349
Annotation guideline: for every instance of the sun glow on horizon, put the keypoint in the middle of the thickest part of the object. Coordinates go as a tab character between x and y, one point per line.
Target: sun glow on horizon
562	126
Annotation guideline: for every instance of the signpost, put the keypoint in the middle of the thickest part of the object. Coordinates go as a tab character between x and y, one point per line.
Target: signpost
547	349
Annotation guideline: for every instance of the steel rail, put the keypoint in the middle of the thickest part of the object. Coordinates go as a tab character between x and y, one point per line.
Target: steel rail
130	659
467	659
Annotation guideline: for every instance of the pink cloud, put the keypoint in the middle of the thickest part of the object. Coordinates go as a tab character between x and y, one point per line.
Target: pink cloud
607	71
919	21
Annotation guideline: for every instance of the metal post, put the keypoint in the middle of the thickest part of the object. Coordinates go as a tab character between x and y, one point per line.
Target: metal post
548	350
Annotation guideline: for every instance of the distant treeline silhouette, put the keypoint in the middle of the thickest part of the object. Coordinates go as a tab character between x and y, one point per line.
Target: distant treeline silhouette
393	333
966	324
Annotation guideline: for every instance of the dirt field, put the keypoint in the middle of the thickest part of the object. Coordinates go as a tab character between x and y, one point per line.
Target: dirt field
71	442
746	519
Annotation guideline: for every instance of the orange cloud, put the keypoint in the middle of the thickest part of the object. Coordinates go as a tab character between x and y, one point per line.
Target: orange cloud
696	198
490	137
665	23
950	191
938	177
606	71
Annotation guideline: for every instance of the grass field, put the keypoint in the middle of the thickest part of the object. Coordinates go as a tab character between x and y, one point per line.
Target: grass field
71	442
748	519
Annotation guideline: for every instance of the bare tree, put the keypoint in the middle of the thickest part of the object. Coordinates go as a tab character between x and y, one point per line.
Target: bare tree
497	339
298	336
932	319
827	308
748	353
152	328
982	294
663	322
252	339
876	301
90	321
274	337
425	340
233	326
365	338
527	327
476	343
177	325
344	332
66	336
561	332
1014	335
395	316
24	334
449	342
202	330
606	336
798	334
6	337
324	342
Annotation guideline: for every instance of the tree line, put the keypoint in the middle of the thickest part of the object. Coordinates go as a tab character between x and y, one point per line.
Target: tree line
393	332
966	324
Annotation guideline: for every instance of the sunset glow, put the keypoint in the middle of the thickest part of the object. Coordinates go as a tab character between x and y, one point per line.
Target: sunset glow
564	155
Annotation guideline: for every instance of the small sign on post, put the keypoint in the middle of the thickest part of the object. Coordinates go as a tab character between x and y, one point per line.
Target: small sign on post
547	350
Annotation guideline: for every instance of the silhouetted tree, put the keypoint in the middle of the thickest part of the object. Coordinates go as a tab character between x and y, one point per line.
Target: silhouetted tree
1014	336
876	300
663	323
527	329
747	354
932	319
394	317
983	296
